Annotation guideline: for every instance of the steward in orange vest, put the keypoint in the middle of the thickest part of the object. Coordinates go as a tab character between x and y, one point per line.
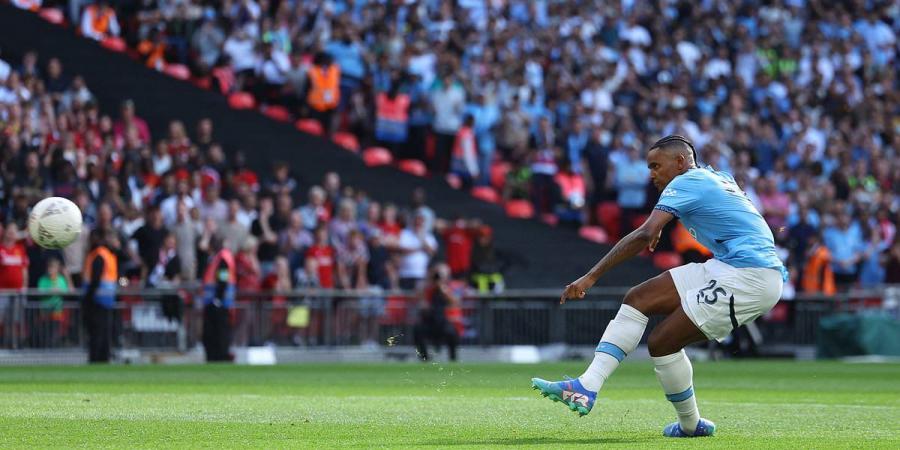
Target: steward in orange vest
324	85
101	277
391	116
817	274
219	281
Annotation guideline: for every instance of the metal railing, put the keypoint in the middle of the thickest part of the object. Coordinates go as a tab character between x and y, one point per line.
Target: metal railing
172	319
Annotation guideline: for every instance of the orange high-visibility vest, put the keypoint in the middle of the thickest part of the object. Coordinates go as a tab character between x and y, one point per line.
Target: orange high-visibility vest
324	88
106	292
396	110
99	21
209	279
817	274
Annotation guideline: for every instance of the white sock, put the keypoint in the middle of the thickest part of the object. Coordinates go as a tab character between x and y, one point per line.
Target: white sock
676	376
620	338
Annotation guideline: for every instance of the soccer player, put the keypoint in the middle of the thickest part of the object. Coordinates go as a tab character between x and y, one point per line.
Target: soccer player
699	301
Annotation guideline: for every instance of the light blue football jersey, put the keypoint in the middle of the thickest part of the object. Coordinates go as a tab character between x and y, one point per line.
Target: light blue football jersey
720	216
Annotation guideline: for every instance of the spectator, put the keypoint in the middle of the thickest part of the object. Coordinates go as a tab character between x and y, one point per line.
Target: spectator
167	271
486	115
458	239
99	21
447	101
631	175
571	187
464	162
416	246
320	260
187	234
249	275
233	232
45	333
267	227
149	239
211	206
294	240
353	260
315	211
844	242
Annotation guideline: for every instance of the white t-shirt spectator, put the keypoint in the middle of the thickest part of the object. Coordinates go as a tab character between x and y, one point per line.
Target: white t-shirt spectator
274	70
448	103
240	50
415	263
169	208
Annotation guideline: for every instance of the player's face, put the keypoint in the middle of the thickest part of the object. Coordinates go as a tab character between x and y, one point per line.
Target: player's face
664	166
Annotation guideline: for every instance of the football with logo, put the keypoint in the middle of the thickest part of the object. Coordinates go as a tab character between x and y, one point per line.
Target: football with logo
54	222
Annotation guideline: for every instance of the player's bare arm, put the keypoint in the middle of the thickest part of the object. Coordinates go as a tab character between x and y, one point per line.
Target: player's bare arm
646	236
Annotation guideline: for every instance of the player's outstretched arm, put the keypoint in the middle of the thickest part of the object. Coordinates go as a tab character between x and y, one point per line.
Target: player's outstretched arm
647	235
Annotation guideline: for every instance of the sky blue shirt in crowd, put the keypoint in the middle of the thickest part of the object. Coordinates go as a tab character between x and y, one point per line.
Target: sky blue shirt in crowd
348	57
631	182
720	216
843	245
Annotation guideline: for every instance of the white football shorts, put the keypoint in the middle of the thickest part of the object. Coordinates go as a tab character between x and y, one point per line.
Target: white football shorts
718	297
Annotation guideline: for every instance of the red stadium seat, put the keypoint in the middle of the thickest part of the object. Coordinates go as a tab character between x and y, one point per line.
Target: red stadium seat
114	44
609	215
53	15
346	140
486	193
377	156
310	126
241	100
519	209
666	260
499	169
550	219
202	83
453	180
594	234
277	112
413	166
178	71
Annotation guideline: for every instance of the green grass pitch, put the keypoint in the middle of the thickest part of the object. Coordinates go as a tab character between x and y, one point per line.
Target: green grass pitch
763	404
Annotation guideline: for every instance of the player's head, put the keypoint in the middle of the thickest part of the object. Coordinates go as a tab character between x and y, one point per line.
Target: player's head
669	157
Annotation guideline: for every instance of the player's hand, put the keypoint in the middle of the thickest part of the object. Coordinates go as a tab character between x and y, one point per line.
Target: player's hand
653	241
576	290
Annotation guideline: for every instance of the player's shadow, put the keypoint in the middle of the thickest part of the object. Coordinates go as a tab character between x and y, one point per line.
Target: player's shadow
548	441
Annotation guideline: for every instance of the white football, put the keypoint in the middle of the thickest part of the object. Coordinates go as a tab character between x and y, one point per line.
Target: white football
54	222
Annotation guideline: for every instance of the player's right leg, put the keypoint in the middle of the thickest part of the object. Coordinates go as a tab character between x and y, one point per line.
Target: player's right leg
654	296
676	375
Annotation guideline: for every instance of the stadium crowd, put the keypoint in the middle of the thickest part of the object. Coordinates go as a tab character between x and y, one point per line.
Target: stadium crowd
550	101
555	101
166	200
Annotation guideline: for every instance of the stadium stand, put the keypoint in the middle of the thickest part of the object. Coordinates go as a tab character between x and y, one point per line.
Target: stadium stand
797	99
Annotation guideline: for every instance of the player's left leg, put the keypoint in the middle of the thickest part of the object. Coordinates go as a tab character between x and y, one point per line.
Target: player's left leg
657	295
673	370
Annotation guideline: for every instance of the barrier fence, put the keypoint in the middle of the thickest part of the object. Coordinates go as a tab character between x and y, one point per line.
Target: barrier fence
171	319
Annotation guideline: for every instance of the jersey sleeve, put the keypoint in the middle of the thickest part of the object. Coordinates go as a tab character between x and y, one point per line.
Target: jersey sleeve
679	197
